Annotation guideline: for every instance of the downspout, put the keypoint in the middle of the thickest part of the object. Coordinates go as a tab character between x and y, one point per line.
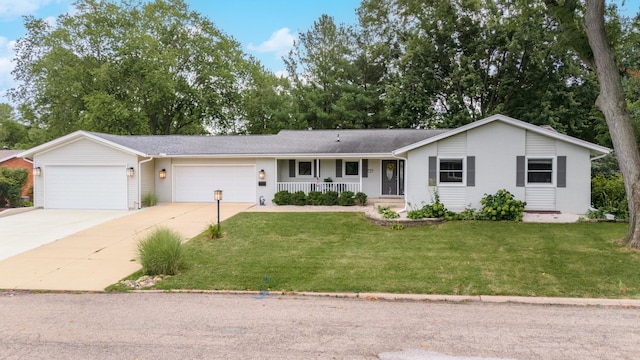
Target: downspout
139	180
406	171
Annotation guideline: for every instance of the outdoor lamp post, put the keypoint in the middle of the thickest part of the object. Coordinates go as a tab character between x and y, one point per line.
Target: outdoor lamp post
218	196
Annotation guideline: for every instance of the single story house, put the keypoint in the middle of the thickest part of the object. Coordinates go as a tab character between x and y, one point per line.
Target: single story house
11	160
548	170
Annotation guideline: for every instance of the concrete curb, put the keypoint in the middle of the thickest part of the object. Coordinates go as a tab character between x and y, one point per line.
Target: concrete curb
14	211
491	299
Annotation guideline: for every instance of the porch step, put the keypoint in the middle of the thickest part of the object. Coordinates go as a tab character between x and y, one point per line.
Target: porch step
396	202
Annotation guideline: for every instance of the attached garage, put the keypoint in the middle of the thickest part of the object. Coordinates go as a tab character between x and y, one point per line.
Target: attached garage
196	183
85	187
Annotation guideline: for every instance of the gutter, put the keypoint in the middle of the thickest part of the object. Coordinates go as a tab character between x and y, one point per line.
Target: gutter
140	178
598	157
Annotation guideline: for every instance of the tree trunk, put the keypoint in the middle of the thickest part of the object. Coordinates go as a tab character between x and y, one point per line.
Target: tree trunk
611	101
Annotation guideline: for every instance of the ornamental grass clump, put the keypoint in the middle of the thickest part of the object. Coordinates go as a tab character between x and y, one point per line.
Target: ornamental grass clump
161	252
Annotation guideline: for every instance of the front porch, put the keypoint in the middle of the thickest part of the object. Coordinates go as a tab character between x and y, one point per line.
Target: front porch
322	187
374	177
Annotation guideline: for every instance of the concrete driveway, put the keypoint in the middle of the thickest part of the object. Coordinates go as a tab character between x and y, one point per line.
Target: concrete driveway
89	252
29	230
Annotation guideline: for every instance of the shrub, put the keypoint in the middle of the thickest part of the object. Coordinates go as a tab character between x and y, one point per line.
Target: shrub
501	206
609	196
387	213
314	198
435	210
346	198
330	198
361	198
214	231
149	199
160	253
396	226
11	183
282	198
298	198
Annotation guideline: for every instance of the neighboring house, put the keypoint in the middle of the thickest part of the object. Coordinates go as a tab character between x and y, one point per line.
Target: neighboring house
9	159
548	170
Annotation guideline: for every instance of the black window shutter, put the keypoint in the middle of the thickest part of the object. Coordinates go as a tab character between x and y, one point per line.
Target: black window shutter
520	171
433	171
562	171
292	168
338	168
365	168
471	171
315	168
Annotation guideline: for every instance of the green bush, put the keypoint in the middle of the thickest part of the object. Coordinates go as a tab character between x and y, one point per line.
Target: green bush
11	183
149	199
608	195
361	199
298	198
282	198
435	210
160	253
346	198
501	206
214	231
387	213
330	198
314	198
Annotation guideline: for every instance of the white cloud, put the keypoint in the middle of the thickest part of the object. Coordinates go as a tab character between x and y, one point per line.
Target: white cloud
6	66
279	43
15	8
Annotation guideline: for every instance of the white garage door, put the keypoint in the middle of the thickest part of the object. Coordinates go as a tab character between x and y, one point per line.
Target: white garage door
197	183
85	187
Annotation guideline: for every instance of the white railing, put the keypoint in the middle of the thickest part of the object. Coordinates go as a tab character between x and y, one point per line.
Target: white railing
322	187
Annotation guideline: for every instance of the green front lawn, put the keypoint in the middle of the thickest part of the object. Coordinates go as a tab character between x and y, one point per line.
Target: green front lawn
342	252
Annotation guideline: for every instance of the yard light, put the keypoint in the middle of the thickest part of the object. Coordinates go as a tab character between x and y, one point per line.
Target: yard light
37	171
163	174
218	196
129	171
261	174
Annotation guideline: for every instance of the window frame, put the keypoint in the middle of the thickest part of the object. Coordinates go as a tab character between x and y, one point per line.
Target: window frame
463	179
298	163
553	171
344	170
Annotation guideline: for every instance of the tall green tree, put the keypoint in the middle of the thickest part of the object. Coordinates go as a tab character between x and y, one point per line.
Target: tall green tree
590	36
453	62
336	78
12	132
129	67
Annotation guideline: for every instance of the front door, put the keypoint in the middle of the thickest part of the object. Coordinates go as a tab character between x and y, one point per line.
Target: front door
389	177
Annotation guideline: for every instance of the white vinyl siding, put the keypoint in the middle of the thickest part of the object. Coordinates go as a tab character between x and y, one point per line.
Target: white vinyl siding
540	198
454	198
84	152
197	183
539	145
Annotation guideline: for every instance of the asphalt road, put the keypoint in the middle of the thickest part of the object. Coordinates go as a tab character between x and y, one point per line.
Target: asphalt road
206	326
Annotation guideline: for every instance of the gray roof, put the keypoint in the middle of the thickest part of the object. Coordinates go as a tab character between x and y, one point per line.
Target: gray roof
370	141
9	154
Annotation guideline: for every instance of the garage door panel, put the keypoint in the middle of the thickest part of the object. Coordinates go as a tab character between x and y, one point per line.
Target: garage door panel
197	183
85	187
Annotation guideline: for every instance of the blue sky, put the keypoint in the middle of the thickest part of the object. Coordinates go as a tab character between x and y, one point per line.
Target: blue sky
265	28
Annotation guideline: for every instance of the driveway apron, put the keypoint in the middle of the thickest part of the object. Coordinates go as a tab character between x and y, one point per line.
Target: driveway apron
95	258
